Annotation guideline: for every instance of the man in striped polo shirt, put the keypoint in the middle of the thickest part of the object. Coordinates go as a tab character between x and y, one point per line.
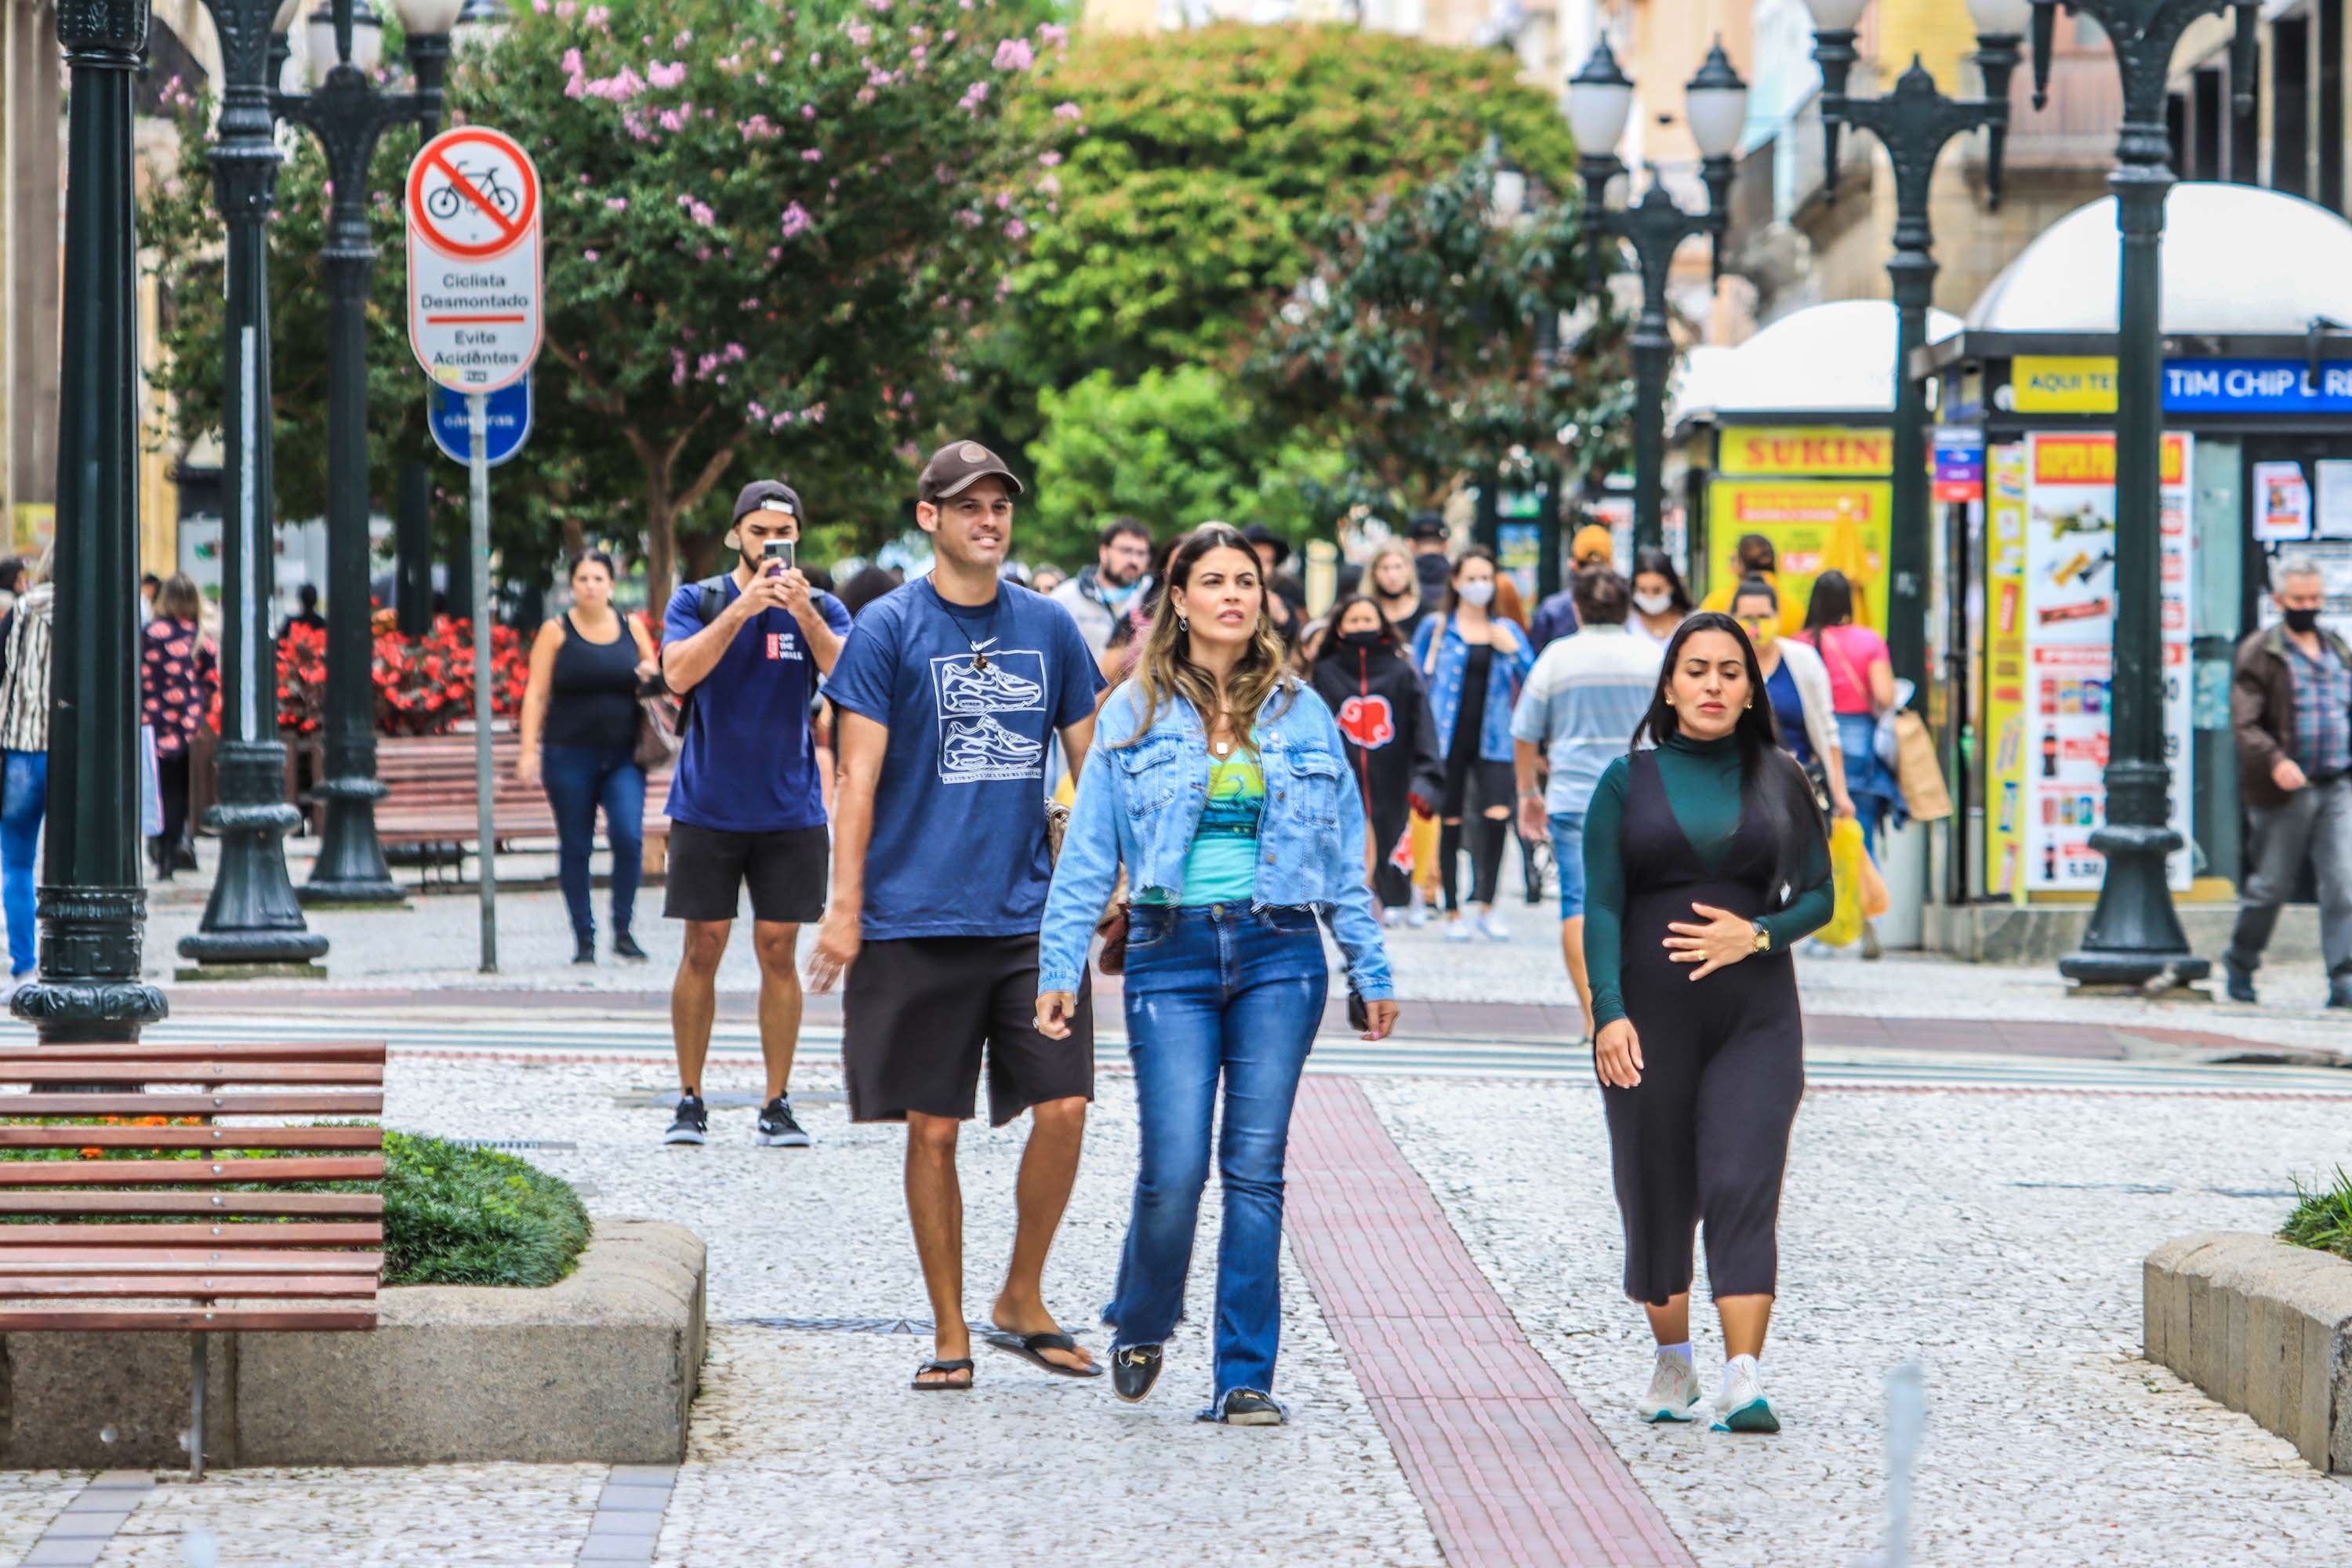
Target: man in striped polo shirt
1576	713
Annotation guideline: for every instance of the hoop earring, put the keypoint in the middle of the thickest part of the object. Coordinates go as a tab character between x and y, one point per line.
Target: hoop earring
1182	625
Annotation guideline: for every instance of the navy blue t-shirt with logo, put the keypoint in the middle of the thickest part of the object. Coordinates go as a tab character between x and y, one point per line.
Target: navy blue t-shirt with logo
748	764
958	845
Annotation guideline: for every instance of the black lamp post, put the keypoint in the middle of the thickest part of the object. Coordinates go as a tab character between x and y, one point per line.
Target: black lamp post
1600	102
1914	123
252	917
92	906
2135	936
348	112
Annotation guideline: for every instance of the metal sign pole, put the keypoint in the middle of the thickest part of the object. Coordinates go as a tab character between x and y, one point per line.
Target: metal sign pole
485	782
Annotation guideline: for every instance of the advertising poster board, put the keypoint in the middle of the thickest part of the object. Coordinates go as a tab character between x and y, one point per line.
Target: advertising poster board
1815	525
2070	627
2005	679
2282	503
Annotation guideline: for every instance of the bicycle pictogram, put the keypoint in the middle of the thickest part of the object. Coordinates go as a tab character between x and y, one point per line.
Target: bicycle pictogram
446	202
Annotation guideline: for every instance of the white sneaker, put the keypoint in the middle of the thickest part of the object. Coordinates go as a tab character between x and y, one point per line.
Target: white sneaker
1741	1407
1458	930
1674	1393
1416	912
1390	917
1492	930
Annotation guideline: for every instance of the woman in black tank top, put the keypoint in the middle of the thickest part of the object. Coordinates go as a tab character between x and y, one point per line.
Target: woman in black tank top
578	743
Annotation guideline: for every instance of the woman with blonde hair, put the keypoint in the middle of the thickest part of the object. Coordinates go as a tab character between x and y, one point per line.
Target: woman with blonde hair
1221	783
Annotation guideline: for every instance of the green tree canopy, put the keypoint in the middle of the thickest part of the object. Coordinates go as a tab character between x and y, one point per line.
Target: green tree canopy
1197	171
769	238
1174	449
1415	345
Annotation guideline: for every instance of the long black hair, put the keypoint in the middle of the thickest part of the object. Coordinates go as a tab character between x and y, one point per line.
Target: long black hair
1770	778
1832	603
1657	560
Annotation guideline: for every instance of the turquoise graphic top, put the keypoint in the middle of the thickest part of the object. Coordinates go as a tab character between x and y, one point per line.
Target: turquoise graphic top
1222	866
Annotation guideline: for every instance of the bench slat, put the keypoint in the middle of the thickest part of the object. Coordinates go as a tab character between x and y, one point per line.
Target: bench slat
80	1137
291	1319
160	1261
47	1070
220	1050
207	1288
214	1204
256	1234
323	1103
108	1173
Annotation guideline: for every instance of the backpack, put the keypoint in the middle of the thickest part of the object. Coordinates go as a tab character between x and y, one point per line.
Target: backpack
712	599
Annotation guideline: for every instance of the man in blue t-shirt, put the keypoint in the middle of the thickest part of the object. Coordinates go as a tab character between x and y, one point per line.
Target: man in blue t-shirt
747	805
948	692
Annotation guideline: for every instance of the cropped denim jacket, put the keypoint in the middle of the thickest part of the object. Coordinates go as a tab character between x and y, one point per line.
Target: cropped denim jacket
1141	805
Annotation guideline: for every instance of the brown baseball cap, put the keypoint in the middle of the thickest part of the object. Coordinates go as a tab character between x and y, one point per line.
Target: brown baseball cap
773	495
957	466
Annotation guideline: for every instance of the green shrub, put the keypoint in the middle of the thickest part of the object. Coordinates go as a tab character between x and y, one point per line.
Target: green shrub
458	1215
2322	1217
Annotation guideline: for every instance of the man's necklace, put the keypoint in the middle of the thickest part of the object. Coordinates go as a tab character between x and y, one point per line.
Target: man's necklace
979	649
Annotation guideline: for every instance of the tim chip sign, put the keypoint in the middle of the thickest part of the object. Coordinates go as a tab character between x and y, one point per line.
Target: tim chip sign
474	284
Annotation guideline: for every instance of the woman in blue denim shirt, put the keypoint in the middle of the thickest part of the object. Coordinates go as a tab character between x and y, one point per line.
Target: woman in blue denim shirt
1473	663
1221	783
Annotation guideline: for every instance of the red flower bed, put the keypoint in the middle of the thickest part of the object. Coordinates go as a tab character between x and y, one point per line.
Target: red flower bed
423	686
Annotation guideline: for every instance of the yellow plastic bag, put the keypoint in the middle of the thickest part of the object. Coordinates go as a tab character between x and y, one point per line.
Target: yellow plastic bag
1846	861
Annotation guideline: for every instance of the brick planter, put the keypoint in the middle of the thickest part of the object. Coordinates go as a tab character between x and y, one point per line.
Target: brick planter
599	1367
2264	1327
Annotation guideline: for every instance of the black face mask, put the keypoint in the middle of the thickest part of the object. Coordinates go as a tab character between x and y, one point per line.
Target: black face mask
1360	639
2299	622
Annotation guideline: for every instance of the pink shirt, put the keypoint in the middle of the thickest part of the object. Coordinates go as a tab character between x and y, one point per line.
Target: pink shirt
1848	652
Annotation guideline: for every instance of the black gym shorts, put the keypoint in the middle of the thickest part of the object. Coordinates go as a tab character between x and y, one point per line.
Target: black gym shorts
708	870
918	1011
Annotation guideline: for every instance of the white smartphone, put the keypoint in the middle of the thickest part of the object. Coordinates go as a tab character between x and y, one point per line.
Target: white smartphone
780	554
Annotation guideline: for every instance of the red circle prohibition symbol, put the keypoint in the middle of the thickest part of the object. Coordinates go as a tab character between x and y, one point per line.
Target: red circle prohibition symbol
435	156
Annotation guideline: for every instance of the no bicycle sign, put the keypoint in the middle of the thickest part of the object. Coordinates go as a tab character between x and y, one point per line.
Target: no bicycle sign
474	285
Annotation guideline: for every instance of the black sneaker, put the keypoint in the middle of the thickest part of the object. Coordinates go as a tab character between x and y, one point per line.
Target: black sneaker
1133	1370
626	946
692	1122
777	1128
583	950
1248	1407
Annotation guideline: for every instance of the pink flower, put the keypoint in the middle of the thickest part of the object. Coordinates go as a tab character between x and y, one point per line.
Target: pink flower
617	89
588	255
1054	36
566	9
812	155
1015	54
1068	111
685	36
672	121
1016	229
1047	160
758	411
796	218
597	17
973	97
616	203
859	34
665	75
1050	185
808	111
701	214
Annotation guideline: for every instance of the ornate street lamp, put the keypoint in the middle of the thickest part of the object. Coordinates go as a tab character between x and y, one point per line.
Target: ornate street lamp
348	112
252	917
92	906
1600	102
2135	936
1913	123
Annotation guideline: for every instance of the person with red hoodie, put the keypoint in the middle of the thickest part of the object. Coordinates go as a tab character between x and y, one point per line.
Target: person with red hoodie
1362	671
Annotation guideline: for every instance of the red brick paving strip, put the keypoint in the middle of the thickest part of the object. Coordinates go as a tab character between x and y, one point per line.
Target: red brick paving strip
1508	1468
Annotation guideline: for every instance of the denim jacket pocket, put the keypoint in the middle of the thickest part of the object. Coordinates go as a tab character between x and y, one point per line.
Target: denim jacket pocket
1154	773
1315	778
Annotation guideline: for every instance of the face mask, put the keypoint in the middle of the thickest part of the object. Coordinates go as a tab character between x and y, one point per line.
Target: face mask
1654	603
2302	621
1478	593
1360	639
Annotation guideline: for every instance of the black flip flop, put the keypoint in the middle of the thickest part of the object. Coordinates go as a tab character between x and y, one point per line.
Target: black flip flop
1029	1346
962	1363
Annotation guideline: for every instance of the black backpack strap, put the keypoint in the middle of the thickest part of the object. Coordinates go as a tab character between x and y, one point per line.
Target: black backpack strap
711	600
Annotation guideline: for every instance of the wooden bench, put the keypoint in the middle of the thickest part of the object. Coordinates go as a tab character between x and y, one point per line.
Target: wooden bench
162	1243
433	798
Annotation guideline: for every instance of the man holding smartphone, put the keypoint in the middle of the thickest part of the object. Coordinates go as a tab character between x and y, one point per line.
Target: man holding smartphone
745	650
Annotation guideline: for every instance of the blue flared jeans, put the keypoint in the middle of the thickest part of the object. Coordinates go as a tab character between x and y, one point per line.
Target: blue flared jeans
24	801
1215	993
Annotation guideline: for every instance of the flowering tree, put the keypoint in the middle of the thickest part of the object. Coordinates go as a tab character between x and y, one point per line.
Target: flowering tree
768	233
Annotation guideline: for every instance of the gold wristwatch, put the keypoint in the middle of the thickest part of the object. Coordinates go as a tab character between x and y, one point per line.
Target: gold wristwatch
1763	937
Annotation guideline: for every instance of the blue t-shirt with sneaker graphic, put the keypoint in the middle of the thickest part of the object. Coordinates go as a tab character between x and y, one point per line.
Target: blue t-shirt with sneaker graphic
958	845
748	764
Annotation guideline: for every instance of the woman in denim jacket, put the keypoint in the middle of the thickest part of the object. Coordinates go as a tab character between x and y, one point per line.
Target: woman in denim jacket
1222	783
1473	663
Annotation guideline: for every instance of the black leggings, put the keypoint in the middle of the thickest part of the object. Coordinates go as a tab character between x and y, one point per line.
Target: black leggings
1473	786
172	784
1704	1138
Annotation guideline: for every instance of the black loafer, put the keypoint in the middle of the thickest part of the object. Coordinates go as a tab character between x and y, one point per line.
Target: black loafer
2238	984
1133	1370
1248	1407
